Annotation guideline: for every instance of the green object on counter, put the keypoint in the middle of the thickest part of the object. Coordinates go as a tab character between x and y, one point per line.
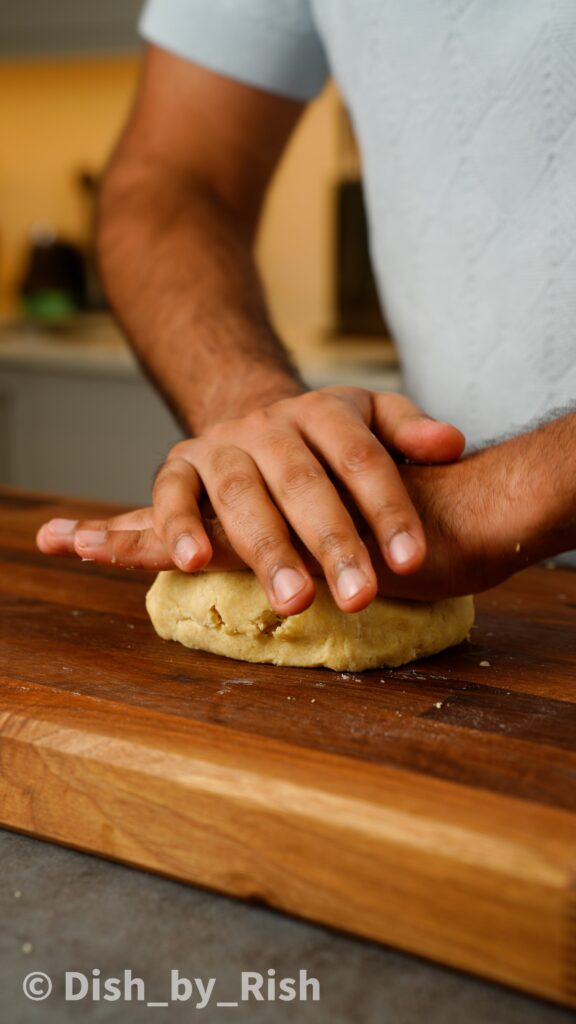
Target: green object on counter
50	305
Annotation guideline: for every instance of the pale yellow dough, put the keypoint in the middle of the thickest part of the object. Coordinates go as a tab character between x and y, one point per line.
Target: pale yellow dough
227	613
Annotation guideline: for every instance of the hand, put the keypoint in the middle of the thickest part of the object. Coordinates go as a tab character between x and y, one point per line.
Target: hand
476	535
285	482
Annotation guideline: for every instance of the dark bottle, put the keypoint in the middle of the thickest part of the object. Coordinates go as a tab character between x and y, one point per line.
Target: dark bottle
53	288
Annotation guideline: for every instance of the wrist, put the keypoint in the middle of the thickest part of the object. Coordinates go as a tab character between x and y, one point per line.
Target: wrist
239	395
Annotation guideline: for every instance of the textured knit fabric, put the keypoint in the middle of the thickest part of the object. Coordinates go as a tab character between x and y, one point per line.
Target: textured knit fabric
465	111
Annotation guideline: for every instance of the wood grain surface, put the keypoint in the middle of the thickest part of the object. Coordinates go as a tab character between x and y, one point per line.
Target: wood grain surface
432	807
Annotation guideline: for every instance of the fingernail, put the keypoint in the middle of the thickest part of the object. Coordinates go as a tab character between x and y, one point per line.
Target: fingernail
402	548
350	582
186	550
91	538
287	583
62	527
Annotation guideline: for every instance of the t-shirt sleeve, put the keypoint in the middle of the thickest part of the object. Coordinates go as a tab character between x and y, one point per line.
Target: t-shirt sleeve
271	44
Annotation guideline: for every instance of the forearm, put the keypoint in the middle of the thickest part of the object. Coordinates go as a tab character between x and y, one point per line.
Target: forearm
179	273
490	514
538	484
514	503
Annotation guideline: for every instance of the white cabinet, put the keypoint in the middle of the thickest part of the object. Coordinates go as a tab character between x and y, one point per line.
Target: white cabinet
94	435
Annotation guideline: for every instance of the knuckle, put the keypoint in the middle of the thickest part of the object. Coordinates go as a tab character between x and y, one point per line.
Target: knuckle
335	391
219	459
257	421
331	539
343	394
219	434
278	443
390	511
233	487
320	399
358	456
311	405
265	547
178	451
313	398
158	474
172	525
169	473
326	406
129	546
300	477
184	451
141	543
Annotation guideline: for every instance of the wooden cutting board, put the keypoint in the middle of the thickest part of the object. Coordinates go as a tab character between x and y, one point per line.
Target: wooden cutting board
432	807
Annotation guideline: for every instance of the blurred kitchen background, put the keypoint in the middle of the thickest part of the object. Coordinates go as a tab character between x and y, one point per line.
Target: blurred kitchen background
77	416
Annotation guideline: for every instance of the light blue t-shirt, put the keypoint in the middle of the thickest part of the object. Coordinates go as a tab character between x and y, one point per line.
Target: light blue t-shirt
465	114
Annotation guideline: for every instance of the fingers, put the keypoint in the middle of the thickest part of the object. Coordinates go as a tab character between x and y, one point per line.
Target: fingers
59	536
255	528
129	549
130	539
311	504
56	537
373	480
177	518
126	540
264	474
402	426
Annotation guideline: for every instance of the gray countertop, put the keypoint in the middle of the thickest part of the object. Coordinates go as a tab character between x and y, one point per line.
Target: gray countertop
62	910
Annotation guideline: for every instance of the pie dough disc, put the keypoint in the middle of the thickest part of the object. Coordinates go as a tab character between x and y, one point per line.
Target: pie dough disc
228	613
